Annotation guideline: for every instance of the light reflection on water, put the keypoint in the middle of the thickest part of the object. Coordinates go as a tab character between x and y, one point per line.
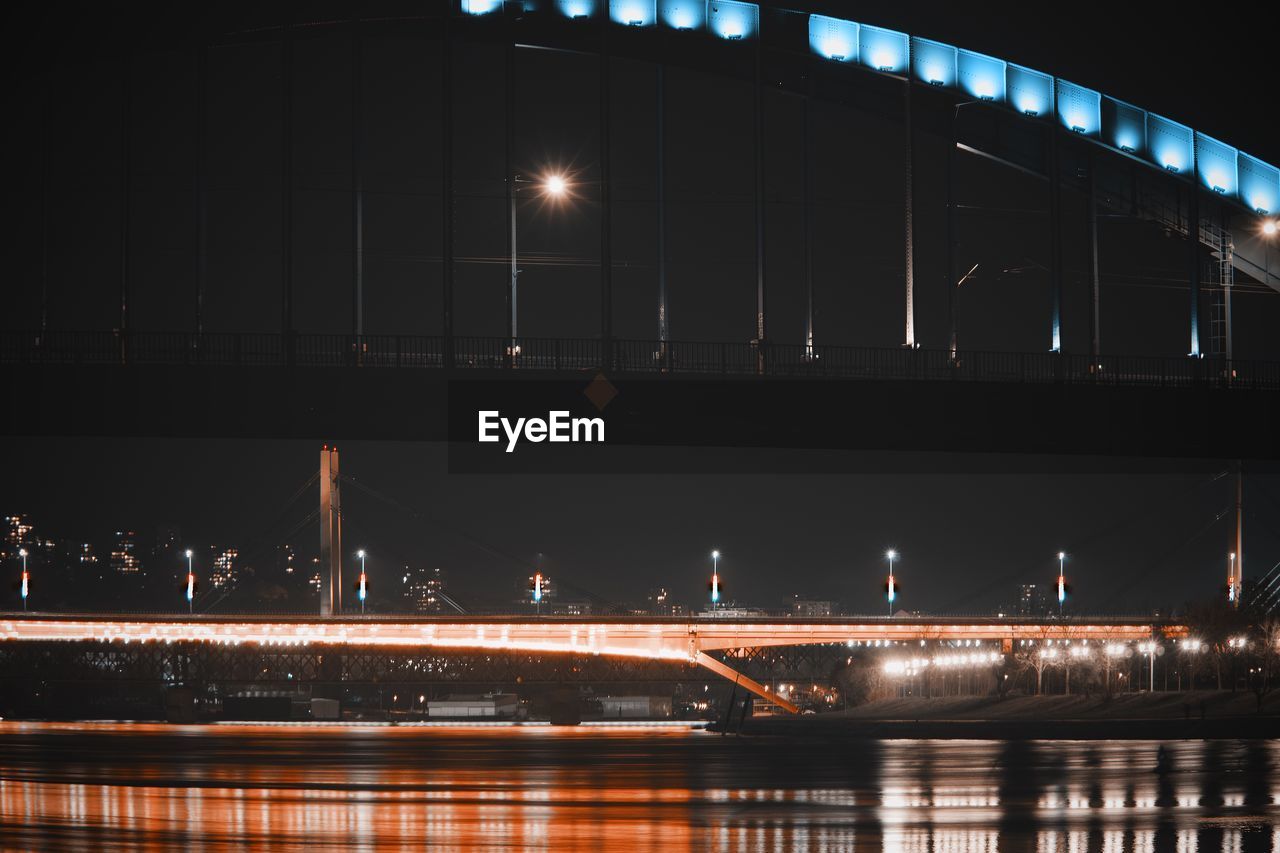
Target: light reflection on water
111	786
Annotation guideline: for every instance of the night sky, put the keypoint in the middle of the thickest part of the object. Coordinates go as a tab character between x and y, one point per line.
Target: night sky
1139	535
967	539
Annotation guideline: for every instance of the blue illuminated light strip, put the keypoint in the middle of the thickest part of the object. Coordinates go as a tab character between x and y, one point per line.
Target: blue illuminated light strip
1029	92
634	13
1167	144
883	50
1216	165
732	20
1170	144
1124	126
683	14
1259	184
933	62
833	38
1079	109
981	76
576	8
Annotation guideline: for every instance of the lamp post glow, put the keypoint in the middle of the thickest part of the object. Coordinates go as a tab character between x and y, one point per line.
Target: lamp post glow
537	592
1150	649
191	584
555	186
891	588
1233	594
363	591
26	578
1062	580
715	579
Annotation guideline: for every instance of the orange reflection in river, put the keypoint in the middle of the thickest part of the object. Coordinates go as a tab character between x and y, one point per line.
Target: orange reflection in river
633	789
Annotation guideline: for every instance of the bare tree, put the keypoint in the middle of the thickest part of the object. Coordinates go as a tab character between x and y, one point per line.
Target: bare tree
1263	656
1034	656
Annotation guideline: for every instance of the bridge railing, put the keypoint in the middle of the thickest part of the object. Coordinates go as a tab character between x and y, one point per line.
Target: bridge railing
557	355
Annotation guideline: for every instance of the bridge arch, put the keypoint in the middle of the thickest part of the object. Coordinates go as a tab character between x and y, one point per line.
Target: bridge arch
1239	190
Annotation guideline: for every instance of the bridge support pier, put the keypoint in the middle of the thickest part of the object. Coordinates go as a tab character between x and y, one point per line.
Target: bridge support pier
330	534
1095	279
1193	265
909	334
758	127
1055	244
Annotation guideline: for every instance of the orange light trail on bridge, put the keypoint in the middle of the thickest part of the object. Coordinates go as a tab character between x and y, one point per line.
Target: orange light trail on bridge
674	640
667	639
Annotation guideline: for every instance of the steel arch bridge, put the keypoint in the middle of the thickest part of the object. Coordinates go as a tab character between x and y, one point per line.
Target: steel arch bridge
1028	119
1213	197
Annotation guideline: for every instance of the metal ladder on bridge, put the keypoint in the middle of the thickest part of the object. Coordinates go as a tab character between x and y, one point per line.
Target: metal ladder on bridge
1221	271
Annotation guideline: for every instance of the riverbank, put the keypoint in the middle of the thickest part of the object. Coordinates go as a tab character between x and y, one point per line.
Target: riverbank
1200	714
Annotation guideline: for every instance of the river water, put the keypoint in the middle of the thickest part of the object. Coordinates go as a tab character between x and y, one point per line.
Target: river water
113	786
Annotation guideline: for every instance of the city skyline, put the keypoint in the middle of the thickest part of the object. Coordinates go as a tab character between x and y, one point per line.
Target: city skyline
1118	542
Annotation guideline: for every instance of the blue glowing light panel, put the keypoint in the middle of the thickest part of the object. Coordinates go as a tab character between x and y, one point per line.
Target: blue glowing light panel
1169	144
634	13
833	38
732	20
1124	126
1029	92
933	62
480	7
883	50
1216	163
1079	109
576	8
683	14
1259	185
981	76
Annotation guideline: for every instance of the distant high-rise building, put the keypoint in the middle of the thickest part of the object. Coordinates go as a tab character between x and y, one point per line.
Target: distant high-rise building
222	575
125	559
18	533
168	545
660	603
1033	600
82	562
285	560
423	588
804	607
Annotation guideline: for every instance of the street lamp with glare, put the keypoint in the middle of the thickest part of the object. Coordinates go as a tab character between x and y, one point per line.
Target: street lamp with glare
363	591
191	584
26	578
1062	580
555	186
1150	649
891	586
715	579
1233	596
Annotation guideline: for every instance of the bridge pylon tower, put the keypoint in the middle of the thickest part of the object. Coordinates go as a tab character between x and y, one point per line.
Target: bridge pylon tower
330	534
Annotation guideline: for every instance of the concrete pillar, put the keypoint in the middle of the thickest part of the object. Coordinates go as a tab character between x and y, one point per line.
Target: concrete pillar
330	534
